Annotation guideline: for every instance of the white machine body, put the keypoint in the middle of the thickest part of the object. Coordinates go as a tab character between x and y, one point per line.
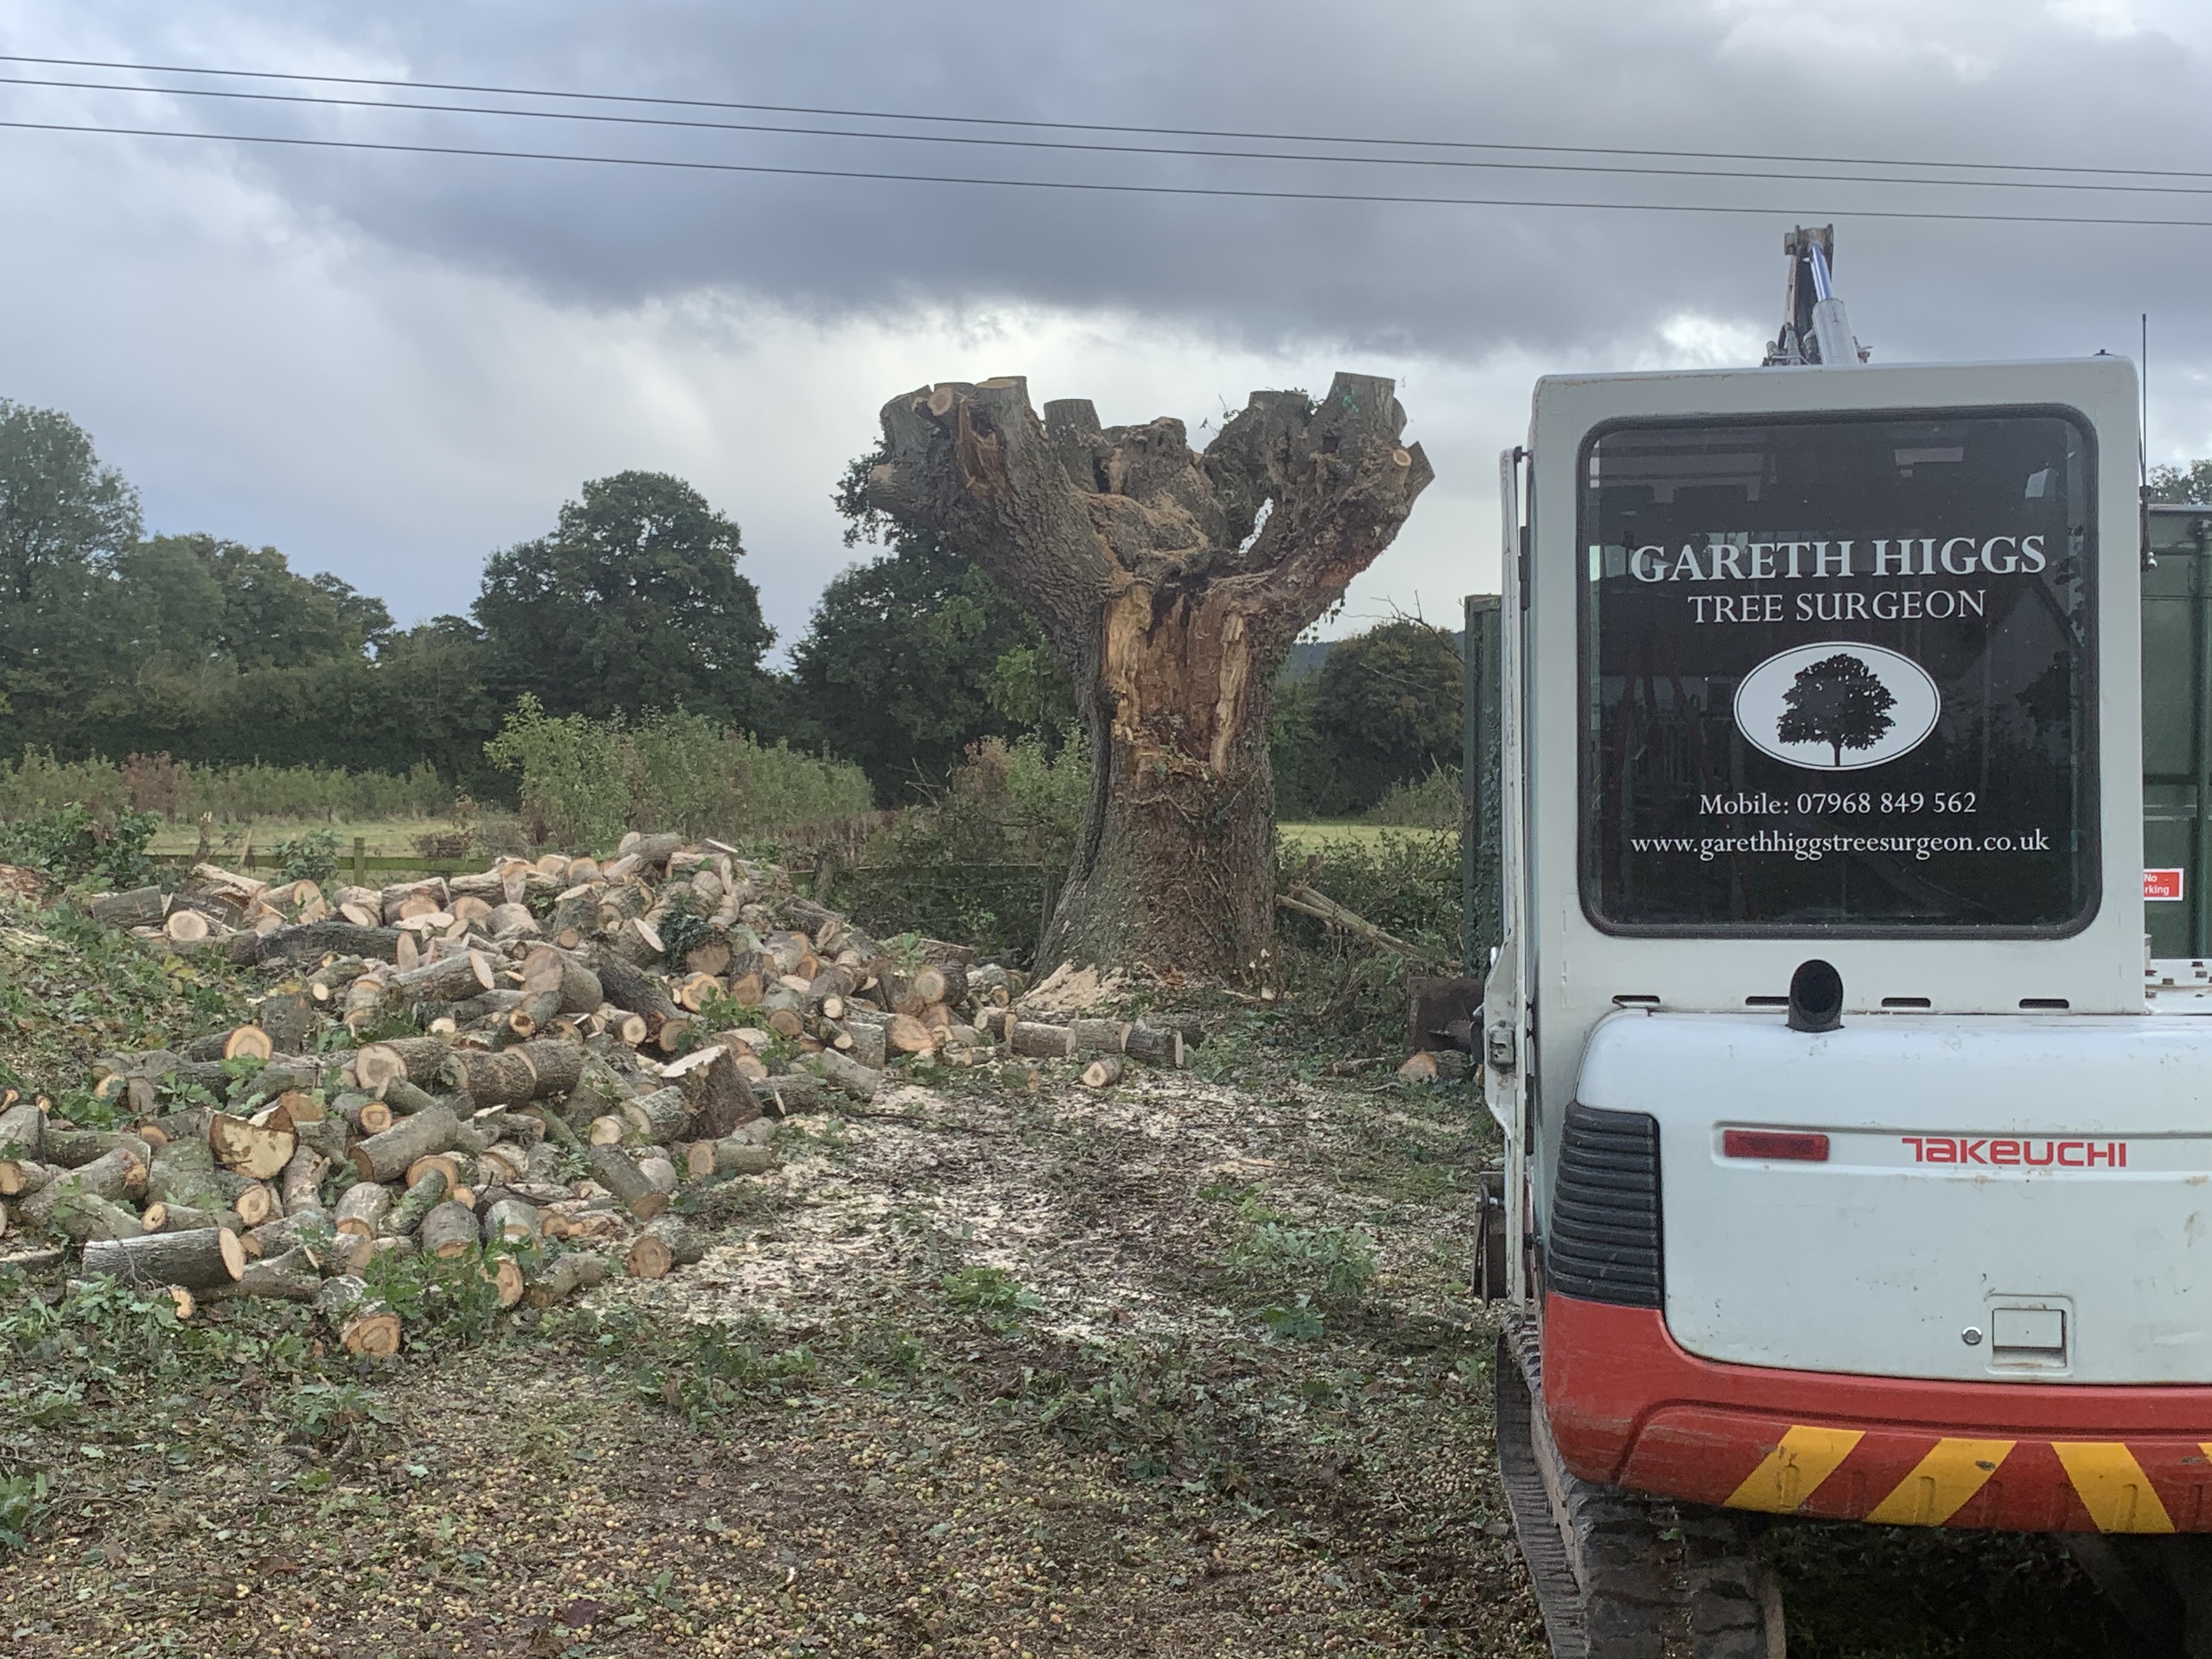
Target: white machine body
1807	730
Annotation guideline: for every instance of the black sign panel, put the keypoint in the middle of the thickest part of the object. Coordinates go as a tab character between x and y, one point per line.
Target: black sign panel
1837	675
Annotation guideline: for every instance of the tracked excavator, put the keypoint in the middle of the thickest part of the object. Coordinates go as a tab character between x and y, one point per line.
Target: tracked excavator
1857	1151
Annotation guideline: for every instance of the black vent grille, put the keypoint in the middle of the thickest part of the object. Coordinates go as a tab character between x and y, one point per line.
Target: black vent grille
1604	1241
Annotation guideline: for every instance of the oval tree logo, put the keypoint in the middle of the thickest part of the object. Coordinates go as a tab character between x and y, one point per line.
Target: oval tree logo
1836	706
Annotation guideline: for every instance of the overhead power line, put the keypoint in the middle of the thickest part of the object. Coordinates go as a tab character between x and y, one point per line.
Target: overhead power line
1105	187
1091	126
324	100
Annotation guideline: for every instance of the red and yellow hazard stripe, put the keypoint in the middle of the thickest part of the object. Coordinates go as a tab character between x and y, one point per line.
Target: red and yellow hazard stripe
1899	1477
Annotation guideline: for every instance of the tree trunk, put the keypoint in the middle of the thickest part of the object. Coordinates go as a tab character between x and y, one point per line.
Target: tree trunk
1171	586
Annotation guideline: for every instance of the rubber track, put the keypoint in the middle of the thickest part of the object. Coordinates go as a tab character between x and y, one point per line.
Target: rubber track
1617	1576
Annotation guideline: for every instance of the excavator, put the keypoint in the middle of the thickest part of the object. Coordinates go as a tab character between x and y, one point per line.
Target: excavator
1858	1150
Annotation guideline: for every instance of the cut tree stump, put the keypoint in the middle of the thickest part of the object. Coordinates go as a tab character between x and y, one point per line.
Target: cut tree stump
197	1261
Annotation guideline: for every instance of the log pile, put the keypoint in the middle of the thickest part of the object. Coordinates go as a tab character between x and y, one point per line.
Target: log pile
523	1068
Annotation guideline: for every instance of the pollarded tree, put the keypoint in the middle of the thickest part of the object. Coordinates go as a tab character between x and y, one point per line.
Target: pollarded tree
1171	586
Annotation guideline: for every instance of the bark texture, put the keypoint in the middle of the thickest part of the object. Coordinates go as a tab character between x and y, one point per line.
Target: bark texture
1171	585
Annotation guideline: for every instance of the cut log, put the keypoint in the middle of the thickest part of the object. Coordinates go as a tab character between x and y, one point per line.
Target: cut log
365	1327
1100	1036
445	979
448	1164
662	1245
291	1277
404	1099
23	1130
362	1208
562	1278
386	1156
631	989
259	1152
512	1220
299	1188
312	941
197	1261
660	1116
940	983
515	1076
186	927
735	1155
908	1035
141	907
719	1096
790	1092
651	851
512	921
19	1178
1104	1071
661	1171
72	1149
448	1230
615	1170
424	1196
1038	1041
81	1216
845	1076
1156	1046
159	1217
412	1059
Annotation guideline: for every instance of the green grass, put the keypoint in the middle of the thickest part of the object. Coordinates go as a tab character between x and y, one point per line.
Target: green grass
387	838
1317	835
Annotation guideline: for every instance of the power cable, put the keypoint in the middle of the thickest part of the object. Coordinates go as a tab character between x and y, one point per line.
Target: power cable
1065	145
1091	126
1099	187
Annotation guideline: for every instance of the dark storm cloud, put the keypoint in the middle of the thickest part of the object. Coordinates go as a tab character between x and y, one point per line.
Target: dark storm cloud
1988	81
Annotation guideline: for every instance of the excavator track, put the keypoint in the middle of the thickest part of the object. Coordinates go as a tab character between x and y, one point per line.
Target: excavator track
1618	1576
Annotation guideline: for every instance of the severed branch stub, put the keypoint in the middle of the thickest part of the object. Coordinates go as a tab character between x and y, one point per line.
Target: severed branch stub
1171	586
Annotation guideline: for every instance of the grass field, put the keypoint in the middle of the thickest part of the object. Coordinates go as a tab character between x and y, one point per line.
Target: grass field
1320	835
385	837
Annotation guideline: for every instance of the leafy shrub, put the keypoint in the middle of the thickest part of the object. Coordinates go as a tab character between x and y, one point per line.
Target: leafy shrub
1336	1264
73	843
978	860
585	782
22	1498
312	857
230	794
1432	802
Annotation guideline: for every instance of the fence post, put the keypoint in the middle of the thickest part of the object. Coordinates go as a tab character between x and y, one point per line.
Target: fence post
360	853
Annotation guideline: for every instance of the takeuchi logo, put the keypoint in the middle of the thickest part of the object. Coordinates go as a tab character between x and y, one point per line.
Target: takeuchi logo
1837	706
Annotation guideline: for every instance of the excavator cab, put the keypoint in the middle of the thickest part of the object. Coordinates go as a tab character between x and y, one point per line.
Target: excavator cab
1855	1162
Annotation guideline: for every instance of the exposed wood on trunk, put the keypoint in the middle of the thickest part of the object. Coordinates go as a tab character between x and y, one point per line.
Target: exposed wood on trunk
365	1327
660	1116
512	1220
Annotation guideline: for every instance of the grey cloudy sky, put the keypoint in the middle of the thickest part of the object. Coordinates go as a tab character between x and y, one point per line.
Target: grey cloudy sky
391	364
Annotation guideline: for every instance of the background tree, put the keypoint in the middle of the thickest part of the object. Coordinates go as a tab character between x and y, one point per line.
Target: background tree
1838	701
64	517
634	602
1387	705
913	656
2190	485
1169	586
